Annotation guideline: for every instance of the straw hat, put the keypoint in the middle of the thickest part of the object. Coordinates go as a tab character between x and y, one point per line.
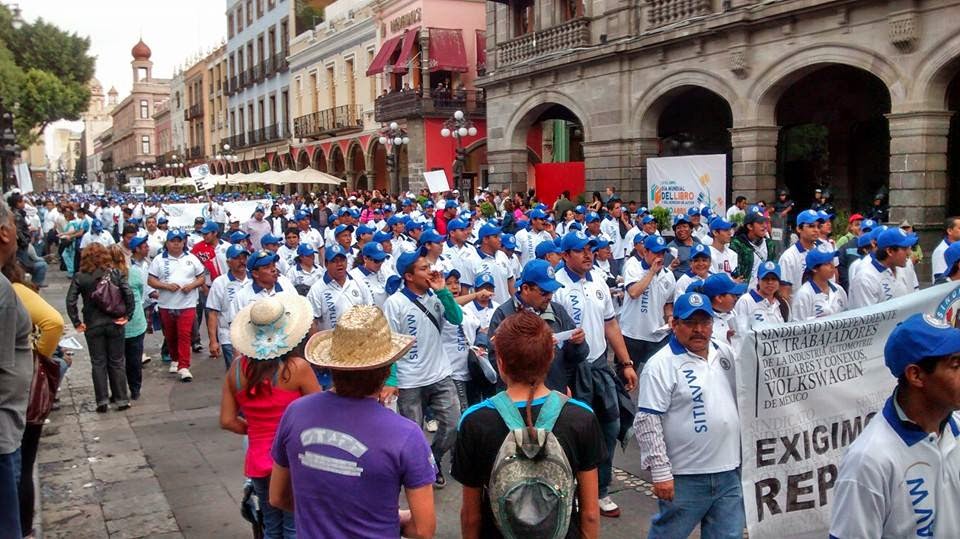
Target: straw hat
272	326
361	340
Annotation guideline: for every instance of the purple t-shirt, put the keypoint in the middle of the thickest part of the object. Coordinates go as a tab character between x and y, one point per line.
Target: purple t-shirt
348	459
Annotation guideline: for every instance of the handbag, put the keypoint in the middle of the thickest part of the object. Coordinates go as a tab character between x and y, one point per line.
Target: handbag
108	297
43	388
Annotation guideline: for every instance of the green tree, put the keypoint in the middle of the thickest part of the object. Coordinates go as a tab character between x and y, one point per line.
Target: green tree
43	75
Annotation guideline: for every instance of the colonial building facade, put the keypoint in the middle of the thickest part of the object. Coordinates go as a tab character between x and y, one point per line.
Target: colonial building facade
853	96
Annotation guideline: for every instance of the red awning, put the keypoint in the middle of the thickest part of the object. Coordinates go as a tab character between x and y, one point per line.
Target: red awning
406	51
481	50
447	52
383	56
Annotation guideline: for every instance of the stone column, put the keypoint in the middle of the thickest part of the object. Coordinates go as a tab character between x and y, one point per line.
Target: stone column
918	175
606	164
508	169
641	150
754	162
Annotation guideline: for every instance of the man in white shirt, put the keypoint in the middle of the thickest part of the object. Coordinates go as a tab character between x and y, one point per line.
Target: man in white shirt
97	234
177	275
337	291
794	260
688	426
723	258
528	239
899	477
951	234
265	281
220	303
458	251
876	280
647	301
218	214
739	208
492	260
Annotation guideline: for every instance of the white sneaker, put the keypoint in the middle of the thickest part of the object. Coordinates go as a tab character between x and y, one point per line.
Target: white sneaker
145	359
432	425
608	508
174	367
185	375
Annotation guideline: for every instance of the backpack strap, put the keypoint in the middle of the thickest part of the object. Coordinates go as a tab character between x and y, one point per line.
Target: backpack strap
550	411
508	411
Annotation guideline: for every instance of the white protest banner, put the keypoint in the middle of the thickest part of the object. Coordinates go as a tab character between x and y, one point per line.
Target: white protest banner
135	183
183	215
437	181
806	390
199	174
677	183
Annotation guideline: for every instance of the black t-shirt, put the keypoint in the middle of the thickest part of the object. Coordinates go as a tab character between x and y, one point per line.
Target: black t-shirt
482	431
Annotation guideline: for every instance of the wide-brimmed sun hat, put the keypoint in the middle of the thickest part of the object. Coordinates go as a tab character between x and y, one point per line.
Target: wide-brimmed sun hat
270	327
361	340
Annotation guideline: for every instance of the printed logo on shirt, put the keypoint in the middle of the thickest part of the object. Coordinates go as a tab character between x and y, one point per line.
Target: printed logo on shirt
924	505
696	395
725	364
340	440
599	295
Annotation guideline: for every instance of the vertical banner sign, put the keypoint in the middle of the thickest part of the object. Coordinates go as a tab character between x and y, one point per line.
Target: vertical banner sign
135	183
199	174
806	390
677	183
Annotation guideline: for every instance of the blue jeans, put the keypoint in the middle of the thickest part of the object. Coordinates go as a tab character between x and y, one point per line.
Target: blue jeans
605	471
277	524
227	351
36	266
441	398
9	495
715	501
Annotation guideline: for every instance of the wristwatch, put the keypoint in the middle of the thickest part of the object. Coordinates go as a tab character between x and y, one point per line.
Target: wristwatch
625	364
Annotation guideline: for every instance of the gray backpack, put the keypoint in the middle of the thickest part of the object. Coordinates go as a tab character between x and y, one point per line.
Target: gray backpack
532	485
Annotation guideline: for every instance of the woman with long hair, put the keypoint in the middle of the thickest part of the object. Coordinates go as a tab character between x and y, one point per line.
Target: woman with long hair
596	203
48	328
104	332
818	296
135	329
524	348
766	303
268	374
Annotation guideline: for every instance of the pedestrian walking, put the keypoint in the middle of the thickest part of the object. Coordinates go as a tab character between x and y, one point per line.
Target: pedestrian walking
136	327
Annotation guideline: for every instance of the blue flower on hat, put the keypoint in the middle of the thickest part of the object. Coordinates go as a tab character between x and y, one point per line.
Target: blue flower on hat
271	338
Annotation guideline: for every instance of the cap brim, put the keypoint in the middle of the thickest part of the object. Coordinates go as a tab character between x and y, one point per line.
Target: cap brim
319	346
549	286
739	289
705	308
656	249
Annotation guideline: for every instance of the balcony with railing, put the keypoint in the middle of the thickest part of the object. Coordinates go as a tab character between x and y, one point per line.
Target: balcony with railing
280	61
258	72
194	111
232	85
236	141
569	35
329	122
195	152
400	105
664	12
269	66
241	80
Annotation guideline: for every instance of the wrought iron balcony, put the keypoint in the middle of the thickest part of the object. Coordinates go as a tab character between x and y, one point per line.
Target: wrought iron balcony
270	66
569	35
663	12
193	112
258	72
280	61
242	80
400	105
232	86
329	122
195	152
237	141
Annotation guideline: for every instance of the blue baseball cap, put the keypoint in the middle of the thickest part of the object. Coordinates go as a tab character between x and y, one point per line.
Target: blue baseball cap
722	283
600	244
301	215
754	214
808	217
488	229
96	226
816	257
430	236
700	250
655	244
576	241
395	220
341	229
237	236
693	211
545	247
767	268
381	237
374	251
406	260
719	223
865	239
575	226
591	217
895	237
175	233
951	256
824	216
236	250
681	219
457	224
640	237
692	302
364	229
162	220
410	224
508	242
137	241
332	252
209	227
454	272
867	225
304	249
484	279
354	212
541	274
270	239
261	258
427	204
648	219
919	337
707	212
537	214
642	210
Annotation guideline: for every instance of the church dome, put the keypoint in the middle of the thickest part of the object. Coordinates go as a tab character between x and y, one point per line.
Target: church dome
141	51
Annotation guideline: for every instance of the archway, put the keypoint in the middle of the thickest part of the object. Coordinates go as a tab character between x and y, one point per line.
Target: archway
475	166
276	164
319	161
378	164
357	165
337	163
554	135
833	134
953	145
303	159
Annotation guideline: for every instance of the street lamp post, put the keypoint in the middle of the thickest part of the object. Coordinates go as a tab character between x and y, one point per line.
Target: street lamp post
393	137
228	155
9	150
459	126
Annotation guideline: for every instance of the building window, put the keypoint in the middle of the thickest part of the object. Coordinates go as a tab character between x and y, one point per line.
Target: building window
230	25
284	36
177	95
145	144
259	8
144	109
240	18
522	17
271	4
572	9
249	12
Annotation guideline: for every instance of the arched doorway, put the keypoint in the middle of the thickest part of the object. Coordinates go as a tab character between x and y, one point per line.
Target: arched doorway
319	161
357	166
833	134
378	164
475	166
303	159
276	164
337	163
953	145
554	136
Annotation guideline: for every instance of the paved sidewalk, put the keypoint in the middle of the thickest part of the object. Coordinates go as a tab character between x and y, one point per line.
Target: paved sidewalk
164	468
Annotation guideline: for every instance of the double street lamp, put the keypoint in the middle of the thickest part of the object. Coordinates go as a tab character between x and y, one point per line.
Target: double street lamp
459	126
393	138
228	155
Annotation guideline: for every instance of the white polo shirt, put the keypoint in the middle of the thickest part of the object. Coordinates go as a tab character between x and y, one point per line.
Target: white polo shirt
103	238
289	256
312	237
374	282
527	241
793	262
456	342
498	266
684	282
221	298
464	259
611	228
724	261
752	309
642	317
589	303
907	275
937	260
298	275
483	315
251	291
330	301
696	401
896	480
875	283
425	363
811	302
181	270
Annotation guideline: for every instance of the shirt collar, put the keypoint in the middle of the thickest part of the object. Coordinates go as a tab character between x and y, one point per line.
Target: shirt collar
232	278
817	288
876	264
576	278
481	307
327	279
676	347
411	295
756	296
257	288
907	430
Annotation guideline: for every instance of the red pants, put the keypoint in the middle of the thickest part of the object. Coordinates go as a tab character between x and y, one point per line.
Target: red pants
177	329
